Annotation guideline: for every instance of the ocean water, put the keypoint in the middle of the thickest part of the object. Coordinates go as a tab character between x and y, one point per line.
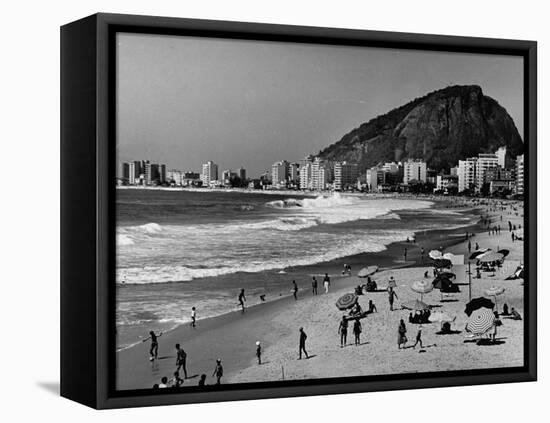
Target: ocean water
178	249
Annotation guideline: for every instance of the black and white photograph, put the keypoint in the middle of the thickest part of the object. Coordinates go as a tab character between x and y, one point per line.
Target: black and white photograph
290	211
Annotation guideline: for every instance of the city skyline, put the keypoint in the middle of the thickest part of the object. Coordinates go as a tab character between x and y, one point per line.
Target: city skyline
247	102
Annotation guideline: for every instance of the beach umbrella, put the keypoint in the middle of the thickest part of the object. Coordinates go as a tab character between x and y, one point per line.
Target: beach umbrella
493	291
346	301
481	321
441	317
422	287
477	303
367	271
435	254
442	263
448	275
415	305
490	257
479	252
441	282
504	252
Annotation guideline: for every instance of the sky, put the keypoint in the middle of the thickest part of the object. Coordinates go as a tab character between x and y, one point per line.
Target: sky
184	100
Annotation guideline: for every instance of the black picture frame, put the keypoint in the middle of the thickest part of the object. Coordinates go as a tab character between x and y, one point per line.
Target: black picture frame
87	208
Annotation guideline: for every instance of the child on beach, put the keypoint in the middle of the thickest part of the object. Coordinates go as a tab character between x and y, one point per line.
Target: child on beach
218	371
343	331
163	382
259	351
154	350
357	329
181	360
314	286
326	282
176	381
193	317
202	380
242	299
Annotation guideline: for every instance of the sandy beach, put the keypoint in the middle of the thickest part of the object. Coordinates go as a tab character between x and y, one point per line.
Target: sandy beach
232	337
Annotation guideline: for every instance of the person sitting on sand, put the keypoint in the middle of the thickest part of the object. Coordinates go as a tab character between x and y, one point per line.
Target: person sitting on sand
154	350
505	311
314	286
356	310
357	329
514	314
242	299
202	380
163	382
326	282
218	371
372	307
176	381
259	351
401	334
181	360
343	331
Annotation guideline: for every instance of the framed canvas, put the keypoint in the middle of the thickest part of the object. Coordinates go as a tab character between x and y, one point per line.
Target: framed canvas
257	211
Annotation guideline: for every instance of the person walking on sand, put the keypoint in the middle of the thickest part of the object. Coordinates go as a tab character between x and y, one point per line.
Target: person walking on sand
193	317
259	351
242	299
295	290
343	331
303	338
422	254
181	360
391	297
357	329
314	286
418	339
218	371
401	334
326	282
154	350
469	247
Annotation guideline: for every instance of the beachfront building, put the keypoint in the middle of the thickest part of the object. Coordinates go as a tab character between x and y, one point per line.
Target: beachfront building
375	178
520	182
345	175
209	173
123	173
321	174
241	173
467	174
414	170
306	170
485	162
152	173
453	171
446	183
294	173
175	177
226	177
134	173
279	173
501	156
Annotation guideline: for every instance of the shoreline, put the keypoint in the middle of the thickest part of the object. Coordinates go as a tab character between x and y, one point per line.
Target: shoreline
235	350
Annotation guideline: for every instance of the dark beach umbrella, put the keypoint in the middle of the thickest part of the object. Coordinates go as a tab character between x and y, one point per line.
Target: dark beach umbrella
481	321
504	252
477	303
491	257
367	271
520	274
447	275
346	301
442	263
478	253
441	283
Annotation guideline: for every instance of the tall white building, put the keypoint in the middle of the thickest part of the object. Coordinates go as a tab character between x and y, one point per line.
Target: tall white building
209	173
294	172
345	175
306	171
467	174
501	156
321	174
484	163
520	175
414	170
279	172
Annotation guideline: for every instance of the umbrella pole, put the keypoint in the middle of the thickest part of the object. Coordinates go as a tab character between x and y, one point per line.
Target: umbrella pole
469	281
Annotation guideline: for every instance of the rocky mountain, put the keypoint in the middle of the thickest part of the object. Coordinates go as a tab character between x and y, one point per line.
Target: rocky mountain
442	127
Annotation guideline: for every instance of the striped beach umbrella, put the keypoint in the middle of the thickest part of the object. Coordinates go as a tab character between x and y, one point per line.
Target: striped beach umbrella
481	321
346	301
422	287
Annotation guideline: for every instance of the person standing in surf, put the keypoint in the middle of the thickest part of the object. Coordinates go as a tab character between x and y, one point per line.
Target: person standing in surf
193	317
242	299
314	286
295	290
154	350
